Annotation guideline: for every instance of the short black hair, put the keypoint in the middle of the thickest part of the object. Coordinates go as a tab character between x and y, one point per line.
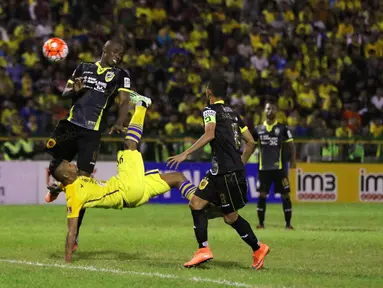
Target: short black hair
218	86
116	41
271	101
53	167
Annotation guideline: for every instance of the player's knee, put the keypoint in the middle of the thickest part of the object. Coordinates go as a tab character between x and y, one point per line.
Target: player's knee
197	203
230	218
130	145
262	195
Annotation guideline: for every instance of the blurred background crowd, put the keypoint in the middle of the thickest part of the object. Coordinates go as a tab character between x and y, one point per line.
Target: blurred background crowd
321	60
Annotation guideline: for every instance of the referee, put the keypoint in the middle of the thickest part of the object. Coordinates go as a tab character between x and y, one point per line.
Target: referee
225	185
271	137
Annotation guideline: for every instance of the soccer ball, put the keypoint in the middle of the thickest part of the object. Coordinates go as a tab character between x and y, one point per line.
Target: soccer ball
55	49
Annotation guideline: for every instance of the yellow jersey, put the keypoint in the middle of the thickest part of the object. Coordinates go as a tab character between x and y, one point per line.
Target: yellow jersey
88	192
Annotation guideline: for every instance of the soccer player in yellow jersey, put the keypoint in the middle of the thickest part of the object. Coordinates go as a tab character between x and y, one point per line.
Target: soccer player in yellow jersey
131	188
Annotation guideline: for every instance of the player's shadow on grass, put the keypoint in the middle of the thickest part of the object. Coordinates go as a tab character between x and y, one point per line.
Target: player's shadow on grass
101	255
228	264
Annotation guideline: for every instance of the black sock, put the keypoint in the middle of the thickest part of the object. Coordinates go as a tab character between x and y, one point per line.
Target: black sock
261	209
200	227
244	230
80	217
287	209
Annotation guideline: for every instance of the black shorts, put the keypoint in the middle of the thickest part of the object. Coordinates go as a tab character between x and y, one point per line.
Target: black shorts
69	140
278	177
229	191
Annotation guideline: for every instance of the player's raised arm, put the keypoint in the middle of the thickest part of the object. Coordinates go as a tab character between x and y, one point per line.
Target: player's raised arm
74	84
70	238
124	94
210	124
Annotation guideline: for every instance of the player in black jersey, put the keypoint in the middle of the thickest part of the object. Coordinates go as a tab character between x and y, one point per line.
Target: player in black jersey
271	137
225	185
93	88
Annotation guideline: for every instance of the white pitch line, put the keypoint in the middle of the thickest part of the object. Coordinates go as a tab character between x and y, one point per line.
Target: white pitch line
121	272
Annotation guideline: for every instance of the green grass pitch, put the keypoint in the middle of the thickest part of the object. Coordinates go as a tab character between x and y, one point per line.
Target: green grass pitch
334	245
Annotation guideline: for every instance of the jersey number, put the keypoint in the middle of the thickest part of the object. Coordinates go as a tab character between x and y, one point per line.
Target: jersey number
236	134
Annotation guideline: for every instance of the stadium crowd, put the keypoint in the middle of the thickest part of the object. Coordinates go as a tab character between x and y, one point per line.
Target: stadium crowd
321	60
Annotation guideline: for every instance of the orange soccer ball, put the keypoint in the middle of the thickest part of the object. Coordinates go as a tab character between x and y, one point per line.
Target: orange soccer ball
55	49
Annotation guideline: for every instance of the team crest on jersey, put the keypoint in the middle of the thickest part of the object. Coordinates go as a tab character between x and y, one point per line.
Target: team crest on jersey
202	185
277	131
51	143
109	76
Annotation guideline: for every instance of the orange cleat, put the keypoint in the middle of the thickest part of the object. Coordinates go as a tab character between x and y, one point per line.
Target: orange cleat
289	227
259	256
260	226
50	197
201	256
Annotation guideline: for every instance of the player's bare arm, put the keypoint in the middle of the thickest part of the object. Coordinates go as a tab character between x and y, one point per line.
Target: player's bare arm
249	146
70	238
208	136
124	97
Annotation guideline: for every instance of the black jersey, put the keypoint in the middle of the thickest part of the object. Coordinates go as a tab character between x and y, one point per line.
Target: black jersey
101	86
270	142
227	142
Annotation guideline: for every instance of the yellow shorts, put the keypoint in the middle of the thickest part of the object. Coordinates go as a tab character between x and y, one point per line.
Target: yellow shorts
136	186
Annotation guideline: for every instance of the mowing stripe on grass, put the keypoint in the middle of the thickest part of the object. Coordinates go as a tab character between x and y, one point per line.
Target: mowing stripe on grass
120	272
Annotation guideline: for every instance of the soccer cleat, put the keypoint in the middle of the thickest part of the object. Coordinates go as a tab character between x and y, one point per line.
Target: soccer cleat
289	227
201	256
259	256
137	98
260	226
50	197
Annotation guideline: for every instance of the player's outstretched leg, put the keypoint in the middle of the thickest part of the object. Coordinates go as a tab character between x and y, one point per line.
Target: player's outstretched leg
261	210
244	230
131	168
179	181
136	125
287	210
200	220
157	184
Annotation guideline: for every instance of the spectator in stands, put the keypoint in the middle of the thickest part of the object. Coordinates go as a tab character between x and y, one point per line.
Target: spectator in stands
343	131
377	100
174	128
6	85
194	123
